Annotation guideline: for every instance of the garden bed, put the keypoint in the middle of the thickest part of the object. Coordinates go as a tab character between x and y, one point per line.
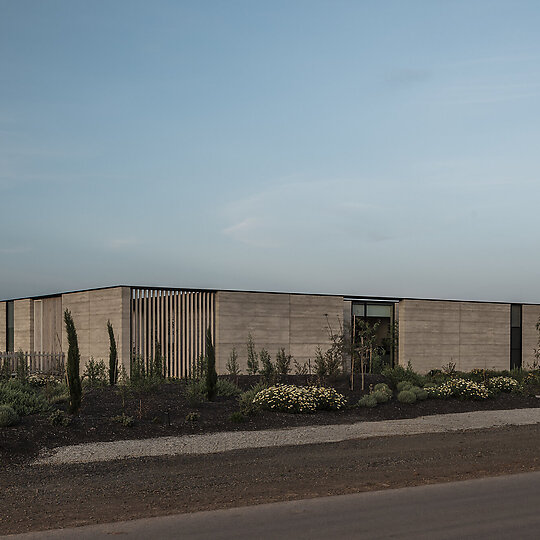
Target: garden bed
163	411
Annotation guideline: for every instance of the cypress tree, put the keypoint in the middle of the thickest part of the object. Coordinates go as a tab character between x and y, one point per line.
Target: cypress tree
72	364
211	374
113	356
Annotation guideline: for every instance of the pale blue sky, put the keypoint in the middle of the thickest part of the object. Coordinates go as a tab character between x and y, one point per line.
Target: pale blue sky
377	147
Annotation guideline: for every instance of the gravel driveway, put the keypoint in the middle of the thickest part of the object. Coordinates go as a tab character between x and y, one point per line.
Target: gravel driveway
226	441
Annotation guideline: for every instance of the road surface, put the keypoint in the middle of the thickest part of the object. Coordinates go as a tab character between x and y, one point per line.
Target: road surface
501	507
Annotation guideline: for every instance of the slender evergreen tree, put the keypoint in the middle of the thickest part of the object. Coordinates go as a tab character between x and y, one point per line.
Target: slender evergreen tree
72	364
113	356
211	374
252	359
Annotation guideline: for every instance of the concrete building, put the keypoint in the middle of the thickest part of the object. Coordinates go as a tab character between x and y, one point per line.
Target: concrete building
430	333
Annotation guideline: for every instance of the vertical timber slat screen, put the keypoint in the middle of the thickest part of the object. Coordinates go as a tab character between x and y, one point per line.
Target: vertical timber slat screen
177	321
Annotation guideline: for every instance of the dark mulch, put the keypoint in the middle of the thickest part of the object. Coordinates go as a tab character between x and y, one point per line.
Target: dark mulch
163	411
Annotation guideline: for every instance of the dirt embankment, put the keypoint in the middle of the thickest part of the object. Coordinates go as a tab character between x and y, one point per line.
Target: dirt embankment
35	498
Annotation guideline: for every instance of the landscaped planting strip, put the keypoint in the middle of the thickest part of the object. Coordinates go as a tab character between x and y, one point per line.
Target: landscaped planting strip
236	440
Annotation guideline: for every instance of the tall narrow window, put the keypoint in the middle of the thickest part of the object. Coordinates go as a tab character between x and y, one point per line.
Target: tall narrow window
515	336
10	327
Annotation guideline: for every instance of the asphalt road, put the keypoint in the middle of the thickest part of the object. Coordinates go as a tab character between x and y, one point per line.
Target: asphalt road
501	507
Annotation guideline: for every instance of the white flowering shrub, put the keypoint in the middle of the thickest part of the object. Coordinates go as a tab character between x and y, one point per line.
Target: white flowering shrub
502	384
461	388
43	379
438	392
299	399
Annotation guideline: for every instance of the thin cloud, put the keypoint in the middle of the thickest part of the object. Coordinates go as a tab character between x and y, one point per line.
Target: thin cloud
244	226
253	232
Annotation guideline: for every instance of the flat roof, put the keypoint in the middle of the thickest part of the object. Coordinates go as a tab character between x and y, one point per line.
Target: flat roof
349	297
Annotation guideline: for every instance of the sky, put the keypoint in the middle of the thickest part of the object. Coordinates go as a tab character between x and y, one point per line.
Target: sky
352	147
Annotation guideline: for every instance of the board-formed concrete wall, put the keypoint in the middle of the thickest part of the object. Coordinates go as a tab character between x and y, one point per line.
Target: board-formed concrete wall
529	318
312	318
48	324
90	311
297	323
471	335
23	318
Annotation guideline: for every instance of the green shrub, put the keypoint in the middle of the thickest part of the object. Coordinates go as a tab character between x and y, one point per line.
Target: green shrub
301	369
155	367
5	369
406	396
56	393
399	373
382	387
420	393
195	392
245	400
232	364
369	400
192	417
268	371
137	370
200	367
124	419
144	376
283	362
252	358
518	374
329	363
403	385
237	417
8	417
320	363
23	398
531	383
146	384
380	396
22	369
95	373
299	399
59	418
227	388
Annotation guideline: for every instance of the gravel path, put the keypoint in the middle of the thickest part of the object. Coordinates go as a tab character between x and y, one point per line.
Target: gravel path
236	440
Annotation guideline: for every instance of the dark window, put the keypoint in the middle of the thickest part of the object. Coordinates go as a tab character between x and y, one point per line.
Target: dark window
382	315
10	327
515	337
516	316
